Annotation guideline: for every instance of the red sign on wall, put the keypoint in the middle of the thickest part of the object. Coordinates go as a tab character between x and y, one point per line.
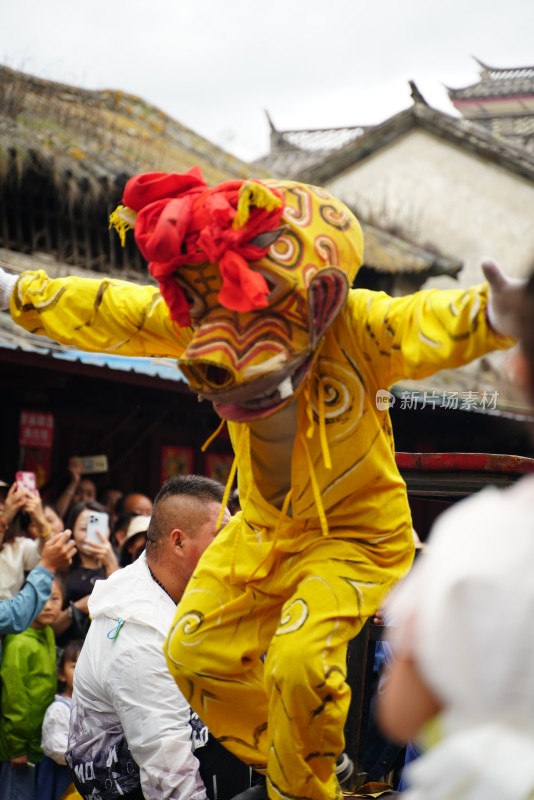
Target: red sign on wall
218	466
36	429
176	461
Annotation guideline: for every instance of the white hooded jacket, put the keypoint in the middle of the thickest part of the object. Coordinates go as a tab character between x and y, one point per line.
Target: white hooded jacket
130	723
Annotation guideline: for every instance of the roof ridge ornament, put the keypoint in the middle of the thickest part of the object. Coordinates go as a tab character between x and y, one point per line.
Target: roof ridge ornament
417	97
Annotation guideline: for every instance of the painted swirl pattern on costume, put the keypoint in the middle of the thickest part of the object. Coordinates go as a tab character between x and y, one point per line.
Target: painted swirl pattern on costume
286	250
335	216
303	213
343	397
293	617
326	249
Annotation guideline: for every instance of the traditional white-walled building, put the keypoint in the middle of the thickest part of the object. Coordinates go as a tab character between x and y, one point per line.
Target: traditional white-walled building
443	183
502	100
446	183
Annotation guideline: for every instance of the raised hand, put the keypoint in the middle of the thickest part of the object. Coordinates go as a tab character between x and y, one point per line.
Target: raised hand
102	552
33	505
58	552
7	282
15	500
504	299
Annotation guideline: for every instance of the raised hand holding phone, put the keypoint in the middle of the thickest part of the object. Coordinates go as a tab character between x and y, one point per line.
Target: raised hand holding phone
97	523
97	543
26	480
14	501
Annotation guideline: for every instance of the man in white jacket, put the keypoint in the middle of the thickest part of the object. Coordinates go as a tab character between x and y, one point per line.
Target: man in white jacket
130	733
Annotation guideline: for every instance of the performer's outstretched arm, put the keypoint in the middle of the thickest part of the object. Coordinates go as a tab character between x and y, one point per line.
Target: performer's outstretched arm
108	316
422	333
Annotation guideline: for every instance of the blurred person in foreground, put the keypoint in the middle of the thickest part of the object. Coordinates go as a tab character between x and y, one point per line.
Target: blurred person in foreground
130	732
463	678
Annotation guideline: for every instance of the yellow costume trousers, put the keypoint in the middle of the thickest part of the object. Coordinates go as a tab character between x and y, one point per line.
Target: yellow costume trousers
285	715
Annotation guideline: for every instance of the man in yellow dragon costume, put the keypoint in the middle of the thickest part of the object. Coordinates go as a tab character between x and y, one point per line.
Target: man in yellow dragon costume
255	301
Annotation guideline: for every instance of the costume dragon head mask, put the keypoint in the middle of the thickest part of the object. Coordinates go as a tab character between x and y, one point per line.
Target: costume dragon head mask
258	269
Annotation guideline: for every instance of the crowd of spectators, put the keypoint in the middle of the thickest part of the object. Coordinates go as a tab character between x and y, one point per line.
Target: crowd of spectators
48	570
35	765
51	560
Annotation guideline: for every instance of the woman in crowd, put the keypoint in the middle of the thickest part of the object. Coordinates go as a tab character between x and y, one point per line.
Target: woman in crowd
92	562
134	542
22	518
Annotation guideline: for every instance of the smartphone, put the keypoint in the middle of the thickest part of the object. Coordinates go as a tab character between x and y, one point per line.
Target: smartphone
91	465
26	480
97	522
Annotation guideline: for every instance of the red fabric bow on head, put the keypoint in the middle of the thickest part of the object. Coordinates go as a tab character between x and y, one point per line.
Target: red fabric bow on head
180	220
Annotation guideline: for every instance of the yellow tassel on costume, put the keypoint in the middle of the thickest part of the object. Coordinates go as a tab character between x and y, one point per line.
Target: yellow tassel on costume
213	436
322	426
123	220
309	411
322	421
233	470
315	487
239	452
253	195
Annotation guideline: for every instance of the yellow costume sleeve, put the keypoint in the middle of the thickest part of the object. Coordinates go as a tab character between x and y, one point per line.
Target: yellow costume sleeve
420	334
97	315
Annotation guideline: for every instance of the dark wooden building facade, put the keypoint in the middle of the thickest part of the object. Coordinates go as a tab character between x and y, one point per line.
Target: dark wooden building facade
65	156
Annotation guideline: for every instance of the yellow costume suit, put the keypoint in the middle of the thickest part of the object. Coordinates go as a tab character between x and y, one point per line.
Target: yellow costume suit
258	645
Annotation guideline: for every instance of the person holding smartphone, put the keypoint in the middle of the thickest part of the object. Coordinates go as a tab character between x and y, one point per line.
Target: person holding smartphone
94	560
23	529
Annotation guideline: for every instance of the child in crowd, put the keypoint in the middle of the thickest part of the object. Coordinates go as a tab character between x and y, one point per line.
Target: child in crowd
54	779
28	673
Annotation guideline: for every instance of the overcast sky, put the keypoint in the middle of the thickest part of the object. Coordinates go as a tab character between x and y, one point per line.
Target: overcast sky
216	65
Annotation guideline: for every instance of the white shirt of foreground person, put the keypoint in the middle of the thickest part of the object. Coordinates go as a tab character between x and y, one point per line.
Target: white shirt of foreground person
126	707
465	615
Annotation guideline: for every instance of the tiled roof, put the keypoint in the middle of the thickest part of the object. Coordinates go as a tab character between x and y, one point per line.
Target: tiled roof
298	154
467	135
497	82
86	139
288	164
293	151
386	253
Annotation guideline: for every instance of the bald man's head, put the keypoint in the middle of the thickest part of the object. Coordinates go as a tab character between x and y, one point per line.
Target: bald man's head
188	502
